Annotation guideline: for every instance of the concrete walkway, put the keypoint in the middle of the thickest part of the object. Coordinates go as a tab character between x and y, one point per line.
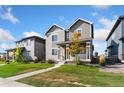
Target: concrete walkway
117	68
2	64
11	83
35	72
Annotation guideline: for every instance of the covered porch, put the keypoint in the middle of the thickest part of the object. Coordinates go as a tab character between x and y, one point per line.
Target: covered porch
10	53
64	54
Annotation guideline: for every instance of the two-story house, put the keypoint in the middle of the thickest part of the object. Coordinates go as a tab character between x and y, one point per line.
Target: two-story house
59	39
115	40
2	55
33	47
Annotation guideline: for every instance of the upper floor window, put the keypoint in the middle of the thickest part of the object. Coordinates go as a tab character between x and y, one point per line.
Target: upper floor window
79	31
54	38
67	36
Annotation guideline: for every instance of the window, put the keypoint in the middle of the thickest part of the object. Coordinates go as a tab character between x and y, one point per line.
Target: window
28	53
29	42
54	51
83	51
54	38
79	31
67	36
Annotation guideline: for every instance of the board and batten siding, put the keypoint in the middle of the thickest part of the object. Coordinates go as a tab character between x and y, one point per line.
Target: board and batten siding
114	40
86	32
29	46
39	50
85	29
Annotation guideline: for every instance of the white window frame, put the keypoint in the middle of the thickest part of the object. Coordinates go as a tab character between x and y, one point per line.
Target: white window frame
54	49
80	30
52	37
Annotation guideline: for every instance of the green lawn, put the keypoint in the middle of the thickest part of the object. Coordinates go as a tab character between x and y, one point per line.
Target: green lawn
16	69
2	62
67	75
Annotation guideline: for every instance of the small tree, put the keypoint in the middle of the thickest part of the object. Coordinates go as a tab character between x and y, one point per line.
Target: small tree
19	56
102	60
96	54
76	46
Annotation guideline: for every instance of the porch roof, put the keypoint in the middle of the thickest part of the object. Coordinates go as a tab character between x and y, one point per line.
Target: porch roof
68	42
13	49
111	46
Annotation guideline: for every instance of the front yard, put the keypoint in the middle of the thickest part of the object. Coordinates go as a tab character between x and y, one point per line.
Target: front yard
2	62
16	69
72	76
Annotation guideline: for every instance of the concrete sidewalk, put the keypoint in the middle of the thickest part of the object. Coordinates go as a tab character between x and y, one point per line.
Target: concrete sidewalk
35	72
11	83
2	64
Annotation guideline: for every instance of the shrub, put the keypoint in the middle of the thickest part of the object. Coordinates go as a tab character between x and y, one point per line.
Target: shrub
19	57
50	61
42	61
7	62
102	60
35	59
2	59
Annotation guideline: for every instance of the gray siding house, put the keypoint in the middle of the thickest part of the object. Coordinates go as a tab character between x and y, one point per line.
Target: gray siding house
33	47
115	40
59	39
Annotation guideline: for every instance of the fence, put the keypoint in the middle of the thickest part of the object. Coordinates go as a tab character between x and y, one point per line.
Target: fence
113	59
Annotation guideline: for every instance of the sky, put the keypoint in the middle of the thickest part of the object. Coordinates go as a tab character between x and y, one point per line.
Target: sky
17	22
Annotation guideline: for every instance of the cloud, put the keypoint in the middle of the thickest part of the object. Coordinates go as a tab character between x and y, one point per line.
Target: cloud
63	19
101	6
102	33
5	35
100	47
32	33
94	14
6	14
5	46
107	23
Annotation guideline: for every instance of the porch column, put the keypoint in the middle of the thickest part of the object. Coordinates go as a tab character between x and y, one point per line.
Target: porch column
88	50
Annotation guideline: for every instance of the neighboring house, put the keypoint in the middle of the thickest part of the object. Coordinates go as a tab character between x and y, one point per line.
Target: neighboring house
2	55
115	40
59	39
33	47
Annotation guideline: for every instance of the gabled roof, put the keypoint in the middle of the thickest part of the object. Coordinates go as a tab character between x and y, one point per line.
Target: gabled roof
115	26
36	37
54	25
80	19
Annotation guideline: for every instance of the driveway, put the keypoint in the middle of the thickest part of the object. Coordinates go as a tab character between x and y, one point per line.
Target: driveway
117	68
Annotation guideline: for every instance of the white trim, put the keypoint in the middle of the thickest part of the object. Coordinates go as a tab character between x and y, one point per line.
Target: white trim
82	20
57	51
122	61
56	26
57	38
85	20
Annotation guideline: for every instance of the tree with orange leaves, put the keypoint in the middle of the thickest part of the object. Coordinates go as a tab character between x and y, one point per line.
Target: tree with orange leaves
77	46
